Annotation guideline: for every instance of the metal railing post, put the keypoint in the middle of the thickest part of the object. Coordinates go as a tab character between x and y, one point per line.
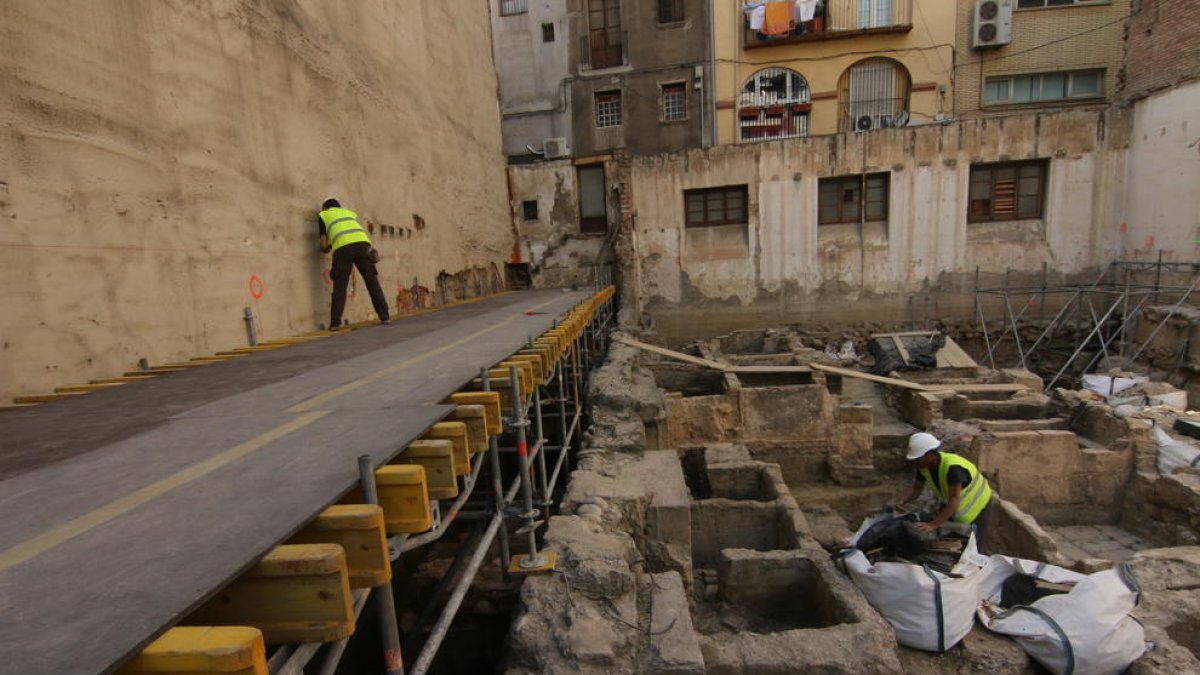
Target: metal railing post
393	659
533	559
497	485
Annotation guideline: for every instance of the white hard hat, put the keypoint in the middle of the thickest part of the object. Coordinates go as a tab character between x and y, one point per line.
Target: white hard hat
921	443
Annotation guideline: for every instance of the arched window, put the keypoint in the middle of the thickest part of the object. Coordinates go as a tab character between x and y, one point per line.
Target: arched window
774	103
874	94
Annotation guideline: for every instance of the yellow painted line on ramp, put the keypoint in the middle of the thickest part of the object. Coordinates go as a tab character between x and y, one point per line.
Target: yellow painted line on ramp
48	540
317	400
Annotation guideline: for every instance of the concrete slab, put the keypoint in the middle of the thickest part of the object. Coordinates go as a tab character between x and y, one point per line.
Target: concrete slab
674	646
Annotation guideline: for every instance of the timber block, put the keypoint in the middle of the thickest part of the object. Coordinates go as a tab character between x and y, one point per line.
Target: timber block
359	530
437	456
490	400
84	388
202	650
475	417
540	374
544	354
296	593
526	370
123	379
404	497
457	434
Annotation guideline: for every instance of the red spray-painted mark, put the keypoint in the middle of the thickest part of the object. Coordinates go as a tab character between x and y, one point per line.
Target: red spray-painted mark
256	287
523	449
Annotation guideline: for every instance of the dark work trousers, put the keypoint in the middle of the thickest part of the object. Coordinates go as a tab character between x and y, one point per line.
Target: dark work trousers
981	527
354	255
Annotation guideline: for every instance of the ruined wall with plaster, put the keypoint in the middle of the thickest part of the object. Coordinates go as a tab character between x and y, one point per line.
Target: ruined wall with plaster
1162	202
155	157
782	266
558	254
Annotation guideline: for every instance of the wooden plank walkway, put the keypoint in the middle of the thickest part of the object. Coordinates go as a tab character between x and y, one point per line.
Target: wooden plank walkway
122	509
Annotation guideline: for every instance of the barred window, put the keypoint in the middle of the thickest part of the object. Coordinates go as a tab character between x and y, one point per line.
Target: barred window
1007	191
674	101
608	109
670	11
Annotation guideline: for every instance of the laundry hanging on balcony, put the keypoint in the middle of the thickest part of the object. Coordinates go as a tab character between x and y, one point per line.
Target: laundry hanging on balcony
778	19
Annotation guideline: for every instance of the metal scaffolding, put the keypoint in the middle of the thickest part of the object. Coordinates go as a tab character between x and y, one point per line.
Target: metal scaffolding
1090	324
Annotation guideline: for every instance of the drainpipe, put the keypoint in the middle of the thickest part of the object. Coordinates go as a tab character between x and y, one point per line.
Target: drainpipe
710	90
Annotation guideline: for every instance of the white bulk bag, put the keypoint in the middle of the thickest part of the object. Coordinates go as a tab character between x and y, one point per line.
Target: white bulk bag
928	610
1087	631
1173	454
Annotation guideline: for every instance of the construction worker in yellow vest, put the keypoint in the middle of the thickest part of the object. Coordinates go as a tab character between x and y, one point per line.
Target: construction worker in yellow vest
341	233
963	491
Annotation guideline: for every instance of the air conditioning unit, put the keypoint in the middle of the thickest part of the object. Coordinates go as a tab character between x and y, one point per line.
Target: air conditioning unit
992	26
553	148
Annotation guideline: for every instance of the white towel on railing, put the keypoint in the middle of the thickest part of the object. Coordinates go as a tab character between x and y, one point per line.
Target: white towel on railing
805	10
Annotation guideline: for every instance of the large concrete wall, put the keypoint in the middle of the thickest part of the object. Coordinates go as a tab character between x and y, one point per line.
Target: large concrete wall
1162	208
154	156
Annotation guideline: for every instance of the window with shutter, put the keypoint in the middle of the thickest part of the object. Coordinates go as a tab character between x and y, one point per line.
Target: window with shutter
1007	191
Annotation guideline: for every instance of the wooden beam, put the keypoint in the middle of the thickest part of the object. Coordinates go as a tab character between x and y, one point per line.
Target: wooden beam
892	381
686	358
42	398
964	388
84	388
125	378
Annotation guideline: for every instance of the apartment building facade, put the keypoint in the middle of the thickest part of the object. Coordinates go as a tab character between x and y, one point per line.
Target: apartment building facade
529	47
639	75
811	67
1017	55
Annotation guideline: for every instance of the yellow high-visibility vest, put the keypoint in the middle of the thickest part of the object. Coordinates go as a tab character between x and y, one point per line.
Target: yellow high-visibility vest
974	497
341	227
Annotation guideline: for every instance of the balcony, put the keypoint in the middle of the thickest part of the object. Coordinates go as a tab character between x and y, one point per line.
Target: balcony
602	49
833	19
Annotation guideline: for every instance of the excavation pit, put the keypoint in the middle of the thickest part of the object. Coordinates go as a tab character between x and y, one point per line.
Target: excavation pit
690	381
770	592
758	380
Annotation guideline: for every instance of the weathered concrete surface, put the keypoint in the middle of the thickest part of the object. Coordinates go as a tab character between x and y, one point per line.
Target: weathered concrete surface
674	647
157	156
797	588
1051	477
980	651
1170	582
583	618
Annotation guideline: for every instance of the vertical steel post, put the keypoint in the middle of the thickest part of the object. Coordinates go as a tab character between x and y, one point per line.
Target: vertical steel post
393	659
533	558
497	485
539	443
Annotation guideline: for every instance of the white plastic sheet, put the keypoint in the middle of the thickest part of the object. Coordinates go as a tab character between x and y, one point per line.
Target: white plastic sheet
1086	631
1173	454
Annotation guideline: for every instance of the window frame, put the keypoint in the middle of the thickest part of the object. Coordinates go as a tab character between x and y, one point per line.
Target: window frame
676	12
741	218
525	210
1039	78
1067	3
515	7
860	182
1043	166
664	109
598	115
597	224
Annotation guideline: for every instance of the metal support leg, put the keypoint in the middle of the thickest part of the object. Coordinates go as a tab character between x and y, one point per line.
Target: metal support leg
532	560
393	660
497	486
540	443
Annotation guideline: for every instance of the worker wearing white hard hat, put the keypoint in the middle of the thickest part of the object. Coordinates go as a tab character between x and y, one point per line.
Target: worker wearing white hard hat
963	491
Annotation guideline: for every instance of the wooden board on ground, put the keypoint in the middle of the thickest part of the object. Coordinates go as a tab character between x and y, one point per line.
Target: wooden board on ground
678	356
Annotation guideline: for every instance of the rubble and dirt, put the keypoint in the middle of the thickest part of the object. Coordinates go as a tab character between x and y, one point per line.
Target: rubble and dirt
696	532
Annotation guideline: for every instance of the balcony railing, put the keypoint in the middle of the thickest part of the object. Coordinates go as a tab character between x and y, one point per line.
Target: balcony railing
833	19
602	49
